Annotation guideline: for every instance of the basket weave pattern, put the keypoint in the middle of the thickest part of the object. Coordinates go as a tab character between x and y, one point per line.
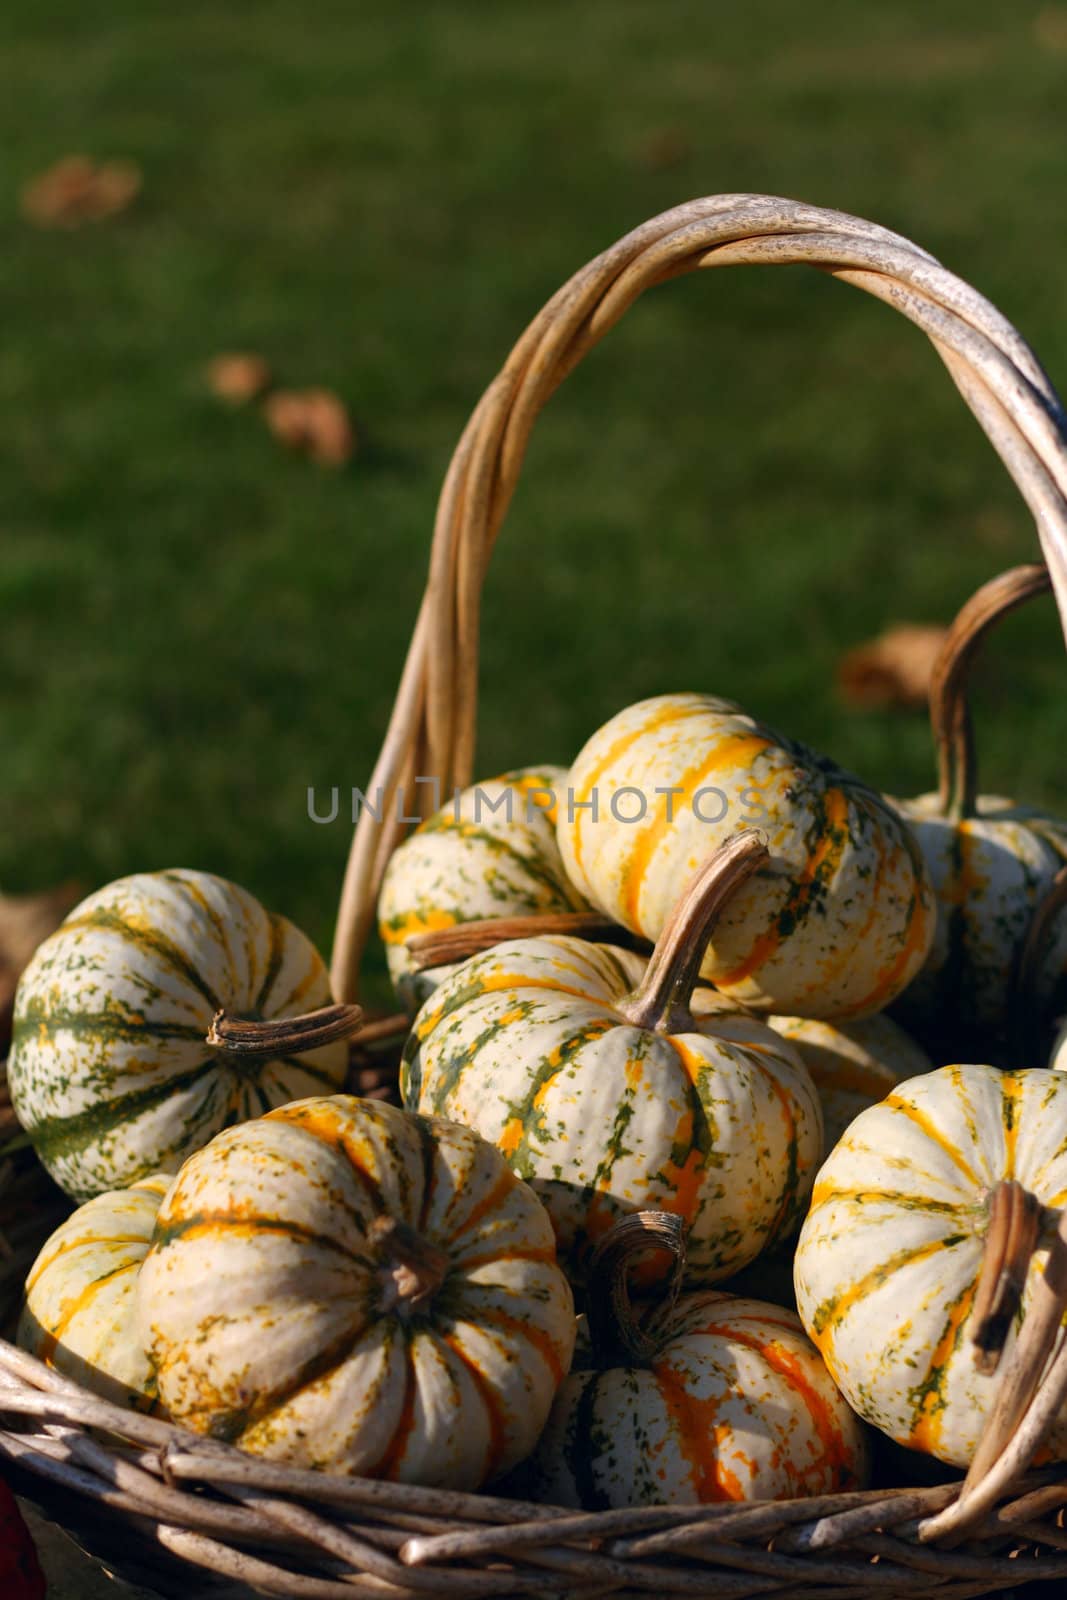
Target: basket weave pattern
181	1502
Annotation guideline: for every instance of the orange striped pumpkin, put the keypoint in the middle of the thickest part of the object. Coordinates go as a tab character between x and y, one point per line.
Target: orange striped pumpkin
490	852
710	1397
344	1286
837	923
889	1257
611	1098
79	1314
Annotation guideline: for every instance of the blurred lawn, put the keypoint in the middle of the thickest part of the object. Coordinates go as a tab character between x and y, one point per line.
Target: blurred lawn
755	471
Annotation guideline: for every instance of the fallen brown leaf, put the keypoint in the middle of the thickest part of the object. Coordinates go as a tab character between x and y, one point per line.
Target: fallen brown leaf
25	920
238	377
666	148
1050	29
313	421
77	190
892	670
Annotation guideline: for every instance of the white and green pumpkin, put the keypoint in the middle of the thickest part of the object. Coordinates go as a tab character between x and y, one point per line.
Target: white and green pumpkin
835	925
490	852
889	1259
344	1286
611	1097
109	1070
709	1397
80	1311
990	860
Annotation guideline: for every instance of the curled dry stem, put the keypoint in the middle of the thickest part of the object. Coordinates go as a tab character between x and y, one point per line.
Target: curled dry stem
950	716
283	1036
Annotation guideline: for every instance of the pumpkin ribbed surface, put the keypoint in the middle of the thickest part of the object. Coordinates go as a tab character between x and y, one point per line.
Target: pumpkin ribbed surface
109	1070
276	1322
989	873
720	1125
735	1404
80	1310
838	922
490	852
889	1257
852	1064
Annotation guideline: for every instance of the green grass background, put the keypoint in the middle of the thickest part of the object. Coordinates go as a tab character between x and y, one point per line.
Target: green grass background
754	472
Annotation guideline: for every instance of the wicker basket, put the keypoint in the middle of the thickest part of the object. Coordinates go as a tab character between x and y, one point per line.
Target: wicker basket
159	1502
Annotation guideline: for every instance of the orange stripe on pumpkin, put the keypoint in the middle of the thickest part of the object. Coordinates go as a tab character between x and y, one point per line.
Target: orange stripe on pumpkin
735	750
43	1263
827	854
929	1424
672	712
887	982
698	1436
687	1180
929	1127
73	1308
390	1461
498	1431
490	1200
520	1329
836	1457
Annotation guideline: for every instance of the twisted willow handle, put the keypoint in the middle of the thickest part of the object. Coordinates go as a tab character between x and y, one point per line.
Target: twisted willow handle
431	732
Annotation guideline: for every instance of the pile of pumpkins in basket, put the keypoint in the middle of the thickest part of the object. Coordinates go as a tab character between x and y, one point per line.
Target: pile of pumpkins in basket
650	1069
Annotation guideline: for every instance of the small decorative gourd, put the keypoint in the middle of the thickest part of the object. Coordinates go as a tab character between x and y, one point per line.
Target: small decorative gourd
991	861
703	1397
79	1314
853	1065
839	920
490	852
610	1099
110	1072
345	1286
906	1233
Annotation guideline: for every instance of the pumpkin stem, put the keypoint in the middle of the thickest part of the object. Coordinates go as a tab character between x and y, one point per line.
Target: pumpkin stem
950	716
616	1331
410	1268
283	1036
1016	1222
444	945
661	1000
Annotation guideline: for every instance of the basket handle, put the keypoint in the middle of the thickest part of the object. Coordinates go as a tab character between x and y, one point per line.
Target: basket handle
431	731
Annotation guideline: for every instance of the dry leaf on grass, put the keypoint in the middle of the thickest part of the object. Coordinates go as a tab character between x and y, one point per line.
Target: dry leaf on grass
25	920
78	190
313	421
1050	29
892	670
238	377
666	148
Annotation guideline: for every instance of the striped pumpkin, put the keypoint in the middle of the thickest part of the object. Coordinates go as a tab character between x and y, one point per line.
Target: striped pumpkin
735	1404
890	1254
344	1286
836	925
853	1065
707	1397
991	862
535	1045
990	871
79	1314
109	1070
491	852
